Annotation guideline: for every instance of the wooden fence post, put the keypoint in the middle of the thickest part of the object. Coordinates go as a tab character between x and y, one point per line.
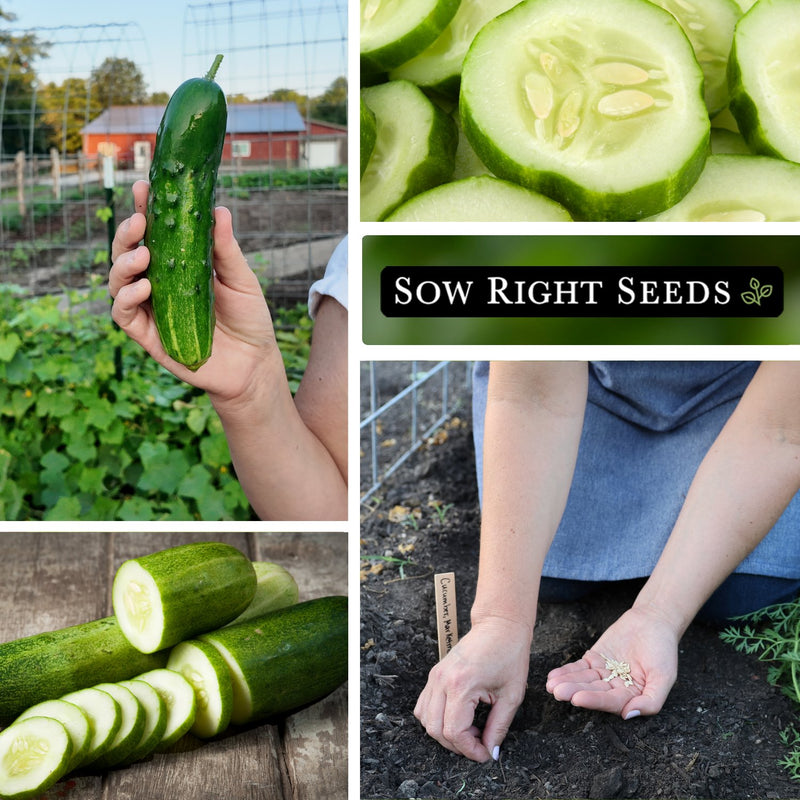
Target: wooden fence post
19	161
55	171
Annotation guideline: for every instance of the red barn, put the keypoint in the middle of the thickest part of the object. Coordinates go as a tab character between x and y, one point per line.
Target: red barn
256	132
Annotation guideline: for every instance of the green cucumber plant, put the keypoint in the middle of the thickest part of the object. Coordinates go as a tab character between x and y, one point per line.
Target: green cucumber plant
78	442
773	635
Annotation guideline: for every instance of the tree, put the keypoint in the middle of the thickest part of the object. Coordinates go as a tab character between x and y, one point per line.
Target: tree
117	82
331	106
67	108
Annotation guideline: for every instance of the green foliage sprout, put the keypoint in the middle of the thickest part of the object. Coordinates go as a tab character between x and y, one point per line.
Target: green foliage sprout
773	635
91	428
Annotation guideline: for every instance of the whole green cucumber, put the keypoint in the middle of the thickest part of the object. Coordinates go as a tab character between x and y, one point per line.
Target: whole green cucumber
180	217
48	665
284	659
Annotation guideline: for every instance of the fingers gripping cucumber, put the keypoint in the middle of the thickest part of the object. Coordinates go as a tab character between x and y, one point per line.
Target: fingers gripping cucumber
180	217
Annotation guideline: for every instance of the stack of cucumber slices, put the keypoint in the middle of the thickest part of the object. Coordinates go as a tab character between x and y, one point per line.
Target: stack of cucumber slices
558	110
236	646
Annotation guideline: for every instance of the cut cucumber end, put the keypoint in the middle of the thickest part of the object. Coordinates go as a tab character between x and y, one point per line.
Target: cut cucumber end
137	607
179	698
206	670
34	754
241	697
598	106
73	719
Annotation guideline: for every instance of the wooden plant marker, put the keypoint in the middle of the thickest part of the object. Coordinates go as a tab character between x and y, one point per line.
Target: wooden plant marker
446	612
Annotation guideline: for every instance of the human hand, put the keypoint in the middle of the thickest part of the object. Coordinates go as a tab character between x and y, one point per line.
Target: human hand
488	665
243	338
645	646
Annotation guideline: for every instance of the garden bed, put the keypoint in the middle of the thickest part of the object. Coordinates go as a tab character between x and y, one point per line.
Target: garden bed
717	735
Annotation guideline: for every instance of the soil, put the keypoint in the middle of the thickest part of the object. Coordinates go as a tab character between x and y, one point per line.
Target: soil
55	252
716	737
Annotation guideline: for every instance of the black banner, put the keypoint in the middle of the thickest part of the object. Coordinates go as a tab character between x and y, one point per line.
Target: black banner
588	291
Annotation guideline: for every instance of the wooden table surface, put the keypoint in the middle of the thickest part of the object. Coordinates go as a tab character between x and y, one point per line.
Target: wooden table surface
52	580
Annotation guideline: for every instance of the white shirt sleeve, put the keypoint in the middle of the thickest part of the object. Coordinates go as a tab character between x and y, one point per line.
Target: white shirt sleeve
333	283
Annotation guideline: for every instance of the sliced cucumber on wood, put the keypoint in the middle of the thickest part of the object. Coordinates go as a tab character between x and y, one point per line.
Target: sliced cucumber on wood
179	698
275	588
205	669
131	726
73	719
34	753
105	719
48	665
480	199
155	721
174	594
597	105
764	78
741	188
414	150
285	659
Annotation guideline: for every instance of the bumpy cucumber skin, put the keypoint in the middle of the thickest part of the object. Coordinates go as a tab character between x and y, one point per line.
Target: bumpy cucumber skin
203	585
180	219
48	665
290	657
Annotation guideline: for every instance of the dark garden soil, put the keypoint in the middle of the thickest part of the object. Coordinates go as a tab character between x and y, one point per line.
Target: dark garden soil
717	735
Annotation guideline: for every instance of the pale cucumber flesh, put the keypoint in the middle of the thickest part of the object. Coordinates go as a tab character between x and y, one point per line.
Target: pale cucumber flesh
105	718
73	719
179	698
155	718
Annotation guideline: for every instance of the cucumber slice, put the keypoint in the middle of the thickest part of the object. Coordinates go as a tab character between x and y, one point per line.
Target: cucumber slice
438	67
166	597
275	588
179	698
414	150
285	659
764	77
155	719
480	199
105	719
725	141
369	133
203	666
597	105
34	754
392	35
130	730
740	188
73	719
708	24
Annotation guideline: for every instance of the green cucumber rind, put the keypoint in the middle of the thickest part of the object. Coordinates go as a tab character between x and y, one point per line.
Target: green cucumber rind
202	586
121	750
149	742
393	53
48	665
180	219
368	134
174	729
290	657
98	745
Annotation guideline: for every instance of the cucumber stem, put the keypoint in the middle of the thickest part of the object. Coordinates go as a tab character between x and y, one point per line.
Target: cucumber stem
211	74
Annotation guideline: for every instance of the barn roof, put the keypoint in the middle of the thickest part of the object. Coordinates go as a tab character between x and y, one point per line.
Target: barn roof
243	118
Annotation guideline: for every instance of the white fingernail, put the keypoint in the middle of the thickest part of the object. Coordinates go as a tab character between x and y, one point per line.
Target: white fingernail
632	714
496	752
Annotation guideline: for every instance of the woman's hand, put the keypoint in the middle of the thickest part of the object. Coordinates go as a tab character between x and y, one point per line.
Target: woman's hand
488	665
645	646
244	340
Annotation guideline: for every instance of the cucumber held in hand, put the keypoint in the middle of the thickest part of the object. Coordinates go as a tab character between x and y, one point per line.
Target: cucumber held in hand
180	217
165	597
284	659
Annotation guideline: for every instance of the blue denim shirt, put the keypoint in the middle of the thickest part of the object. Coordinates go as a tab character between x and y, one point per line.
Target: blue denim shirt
647	427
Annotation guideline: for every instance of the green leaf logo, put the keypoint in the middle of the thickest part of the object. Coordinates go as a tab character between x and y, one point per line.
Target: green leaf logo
758	292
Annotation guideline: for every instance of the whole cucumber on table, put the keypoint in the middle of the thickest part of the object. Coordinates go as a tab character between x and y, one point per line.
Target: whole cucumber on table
180	217
48	665
285	659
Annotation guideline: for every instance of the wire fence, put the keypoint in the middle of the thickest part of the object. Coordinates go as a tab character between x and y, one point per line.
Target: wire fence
287	189
403	404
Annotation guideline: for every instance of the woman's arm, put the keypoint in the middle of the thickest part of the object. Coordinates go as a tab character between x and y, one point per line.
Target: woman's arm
534	417
742	486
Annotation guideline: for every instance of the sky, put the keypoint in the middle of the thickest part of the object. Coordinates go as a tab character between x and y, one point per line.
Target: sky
267	44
